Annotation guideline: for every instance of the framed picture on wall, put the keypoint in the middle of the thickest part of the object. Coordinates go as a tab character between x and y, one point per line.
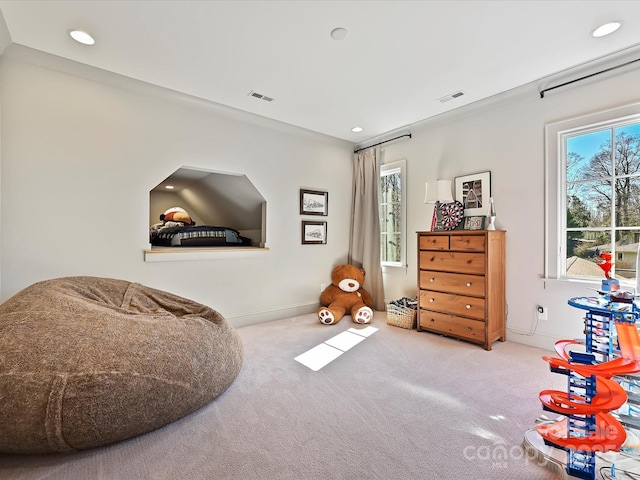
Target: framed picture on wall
474	191
314	232
314	202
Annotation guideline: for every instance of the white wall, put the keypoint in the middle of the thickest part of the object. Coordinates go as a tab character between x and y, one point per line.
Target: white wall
506	136
80	151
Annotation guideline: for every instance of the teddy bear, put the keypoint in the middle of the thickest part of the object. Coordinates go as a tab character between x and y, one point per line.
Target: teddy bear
345	295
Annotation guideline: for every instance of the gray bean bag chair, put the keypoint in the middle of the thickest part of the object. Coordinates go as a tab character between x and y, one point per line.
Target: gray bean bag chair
88	361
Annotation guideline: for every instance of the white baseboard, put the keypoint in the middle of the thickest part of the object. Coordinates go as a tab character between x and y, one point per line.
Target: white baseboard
275	314
540	340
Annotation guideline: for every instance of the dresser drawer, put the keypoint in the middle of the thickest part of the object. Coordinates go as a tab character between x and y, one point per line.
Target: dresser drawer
453	304
460	262
451	325
434	242
471	243
452	283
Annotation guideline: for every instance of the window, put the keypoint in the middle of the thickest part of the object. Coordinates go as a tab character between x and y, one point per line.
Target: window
598	195
393	214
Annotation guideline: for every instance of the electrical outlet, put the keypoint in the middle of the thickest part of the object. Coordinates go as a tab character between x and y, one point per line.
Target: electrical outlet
321	287
542	312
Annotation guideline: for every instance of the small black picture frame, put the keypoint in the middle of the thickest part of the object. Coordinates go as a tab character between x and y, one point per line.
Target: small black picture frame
474	222
314	233
314	202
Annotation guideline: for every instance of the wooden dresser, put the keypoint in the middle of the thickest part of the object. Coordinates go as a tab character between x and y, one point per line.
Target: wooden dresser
461	284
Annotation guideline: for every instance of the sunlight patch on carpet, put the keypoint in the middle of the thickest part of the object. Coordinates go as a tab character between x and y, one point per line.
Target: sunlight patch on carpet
433	395
326	352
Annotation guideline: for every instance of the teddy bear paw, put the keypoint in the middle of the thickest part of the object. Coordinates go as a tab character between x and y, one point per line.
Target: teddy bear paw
363	315
326	317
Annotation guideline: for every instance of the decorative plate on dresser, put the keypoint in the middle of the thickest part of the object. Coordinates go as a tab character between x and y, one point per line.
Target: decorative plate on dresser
451	214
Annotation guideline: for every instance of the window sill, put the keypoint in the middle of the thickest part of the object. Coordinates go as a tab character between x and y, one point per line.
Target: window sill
183	254
591	283
393	265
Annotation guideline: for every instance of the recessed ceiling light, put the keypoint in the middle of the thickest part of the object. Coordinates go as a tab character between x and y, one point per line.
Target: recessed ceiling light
82	37
606	29
169	187
339	33
357	129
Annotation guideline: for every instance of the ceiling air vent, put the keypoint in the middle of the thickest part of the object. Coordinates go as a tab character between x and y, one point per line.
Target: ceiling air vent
452	96
260	96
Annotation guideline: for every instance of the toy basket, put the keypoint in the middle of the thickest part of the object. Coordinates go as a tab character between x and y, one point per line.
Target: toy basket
402	317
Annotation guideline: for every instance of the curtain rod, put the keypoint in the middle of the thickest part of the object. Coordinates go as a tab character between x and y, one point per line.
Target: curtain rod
588	76
380	143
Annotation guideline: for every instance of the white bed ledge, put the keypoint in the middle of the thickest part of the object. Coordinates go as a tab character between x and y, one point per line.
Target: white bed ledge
167	254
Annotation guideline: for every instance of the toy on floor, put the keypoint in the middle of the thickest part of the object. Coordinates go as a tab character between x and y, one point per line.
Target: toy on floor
611	348
345	295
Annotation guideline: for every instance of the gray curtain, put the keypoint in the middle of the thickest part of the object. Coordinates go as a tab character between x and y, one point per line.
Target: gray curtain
364	250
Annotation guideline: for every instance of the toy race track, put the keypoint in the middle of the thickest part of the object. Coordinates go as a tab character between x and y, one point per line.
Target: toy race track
588	427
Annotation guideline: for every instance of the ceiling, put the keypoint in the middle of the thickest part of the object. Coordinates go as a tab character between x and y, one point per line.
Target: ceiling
395	63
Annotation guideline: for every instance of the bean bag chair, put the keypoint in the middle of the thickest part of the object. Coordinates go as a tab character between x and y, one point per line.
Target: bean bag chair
88	361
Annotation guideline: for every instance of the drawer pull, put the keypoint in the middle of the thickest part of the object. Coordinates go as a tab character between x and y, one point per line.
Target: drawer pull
468	329
433	320
431	300
468	307
468	284
432	280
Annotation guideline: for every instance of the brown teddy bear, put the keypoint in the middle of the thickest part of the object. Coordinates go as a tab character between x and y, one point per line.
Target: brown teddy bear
345	295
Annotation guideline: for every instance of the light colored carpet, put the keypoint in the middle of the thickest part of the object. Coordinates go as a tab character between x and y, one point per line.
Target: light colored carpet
401	404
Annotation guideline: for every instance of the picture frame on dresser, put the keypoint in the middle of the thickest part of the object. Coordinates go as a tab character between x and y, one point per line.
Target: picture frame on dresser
475	222
474	191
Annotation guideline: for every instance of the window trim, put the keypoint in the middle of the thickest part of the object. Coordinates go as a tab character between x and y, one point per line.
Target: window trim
555	178
402	166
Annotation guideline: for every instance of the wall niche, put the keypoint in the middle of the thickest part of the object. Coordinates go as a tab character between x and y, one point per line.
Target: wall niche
218	199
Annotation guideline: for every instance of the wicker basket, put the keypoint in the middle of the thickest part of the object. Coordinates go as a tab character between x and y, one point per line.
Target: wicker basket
402	317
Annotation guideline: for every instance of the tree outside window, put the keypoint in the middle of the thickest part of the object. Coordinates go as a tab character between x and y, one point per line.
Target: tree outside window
392	214
602	199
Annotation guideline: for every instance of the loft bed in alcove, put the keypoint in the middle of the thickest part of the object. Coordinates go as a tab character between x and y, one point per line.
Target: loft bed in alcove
198	236
198	243
228	211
